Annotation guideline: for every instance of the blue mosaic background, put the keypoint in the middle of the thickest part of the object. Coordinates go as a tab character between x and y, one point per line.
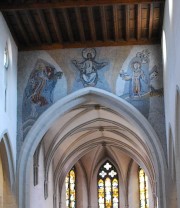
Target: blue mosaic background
133	73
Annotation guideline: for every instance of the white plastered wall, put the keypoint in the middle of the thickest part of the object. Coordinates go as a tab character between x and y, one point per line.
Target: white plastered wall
8	117
37	192
171	61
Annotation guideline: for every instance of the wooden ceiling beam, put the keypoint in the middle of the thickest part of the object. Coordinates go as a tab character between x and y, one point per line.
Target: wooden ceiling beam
89	44
127	22
80	24
32	26
150	20
68	25
55	24
21	27
44	25
103	22
91	24
139	16
115	19
69	4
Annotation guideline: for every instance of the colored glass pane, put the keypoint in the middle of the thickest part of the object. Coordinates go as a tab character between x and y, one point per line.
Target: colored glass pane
108	190
143	189
70	183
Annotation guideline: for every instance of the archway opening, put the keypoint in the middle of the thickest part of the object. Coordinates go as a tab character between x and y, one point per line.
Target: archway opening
7	196
90	121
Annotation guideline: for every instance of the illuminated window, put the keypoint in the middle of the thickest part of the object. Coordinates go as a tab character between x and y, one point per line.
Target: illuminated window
70	182
143	189
108	188
6	65
6	57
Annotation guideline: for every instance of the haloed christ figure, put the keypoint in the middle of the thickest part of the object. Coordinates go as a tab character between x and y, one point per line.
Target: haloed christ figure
88	67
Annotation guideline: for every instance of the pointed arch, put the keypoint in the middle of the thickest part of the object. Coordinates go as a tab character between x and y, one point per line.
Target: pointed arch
81	187
7	173
7	159
61	107
108	185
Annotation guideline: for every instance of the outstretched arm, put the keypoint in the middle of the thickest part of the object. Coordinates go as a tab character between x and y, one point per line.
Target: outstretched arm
97	65
79	66
125	76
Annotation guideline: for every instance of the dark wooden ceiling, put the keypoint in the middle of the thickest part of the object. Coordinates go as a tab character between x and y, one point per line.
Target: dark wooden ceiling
51	24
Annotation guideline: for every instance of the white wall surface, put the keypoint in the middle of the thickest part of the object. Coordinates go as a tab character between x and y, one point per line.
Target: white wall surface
171	56
37	199
8	118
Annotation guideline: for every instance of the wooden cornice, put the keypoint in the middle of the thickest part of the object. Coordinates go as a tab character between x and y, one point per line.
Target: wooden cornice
69	4
88	44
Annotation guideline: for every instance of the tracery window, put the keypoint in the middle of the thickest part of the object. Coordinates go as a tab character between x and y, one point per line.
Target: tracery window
143	189
70	182
108	186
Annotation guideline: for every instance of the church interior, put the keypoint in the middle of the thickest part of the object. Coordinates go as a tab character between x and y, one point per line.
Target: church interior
89	104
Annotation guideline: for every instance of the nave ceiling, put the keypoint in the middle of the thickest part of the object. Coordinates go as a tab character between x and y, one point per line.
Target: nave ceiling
90	133
45	24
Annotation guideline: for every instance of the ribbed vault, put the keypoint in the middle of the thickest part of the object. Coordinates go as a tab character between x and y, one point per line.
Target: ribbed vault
93	122
89	127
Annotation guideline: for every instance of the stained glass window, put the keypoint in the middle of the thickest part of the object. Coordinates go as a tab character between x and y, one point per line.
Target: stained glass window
143	189
70	182
108	186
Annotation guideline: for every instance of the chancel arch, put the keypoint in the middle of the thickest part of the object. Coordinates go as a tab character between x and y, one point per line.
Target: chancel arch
125	132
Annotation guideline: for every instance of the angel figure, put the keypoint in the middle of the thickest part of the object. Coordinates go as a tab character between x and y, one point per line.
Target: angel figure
135	78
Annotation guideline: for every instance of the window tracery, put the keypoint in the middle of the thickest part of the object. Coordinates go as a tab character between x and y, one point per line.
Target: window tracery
108	186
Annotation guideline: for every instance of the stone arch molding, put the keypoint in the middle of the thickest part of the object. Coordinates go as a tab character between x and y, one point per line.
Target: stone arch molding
7	154
63	106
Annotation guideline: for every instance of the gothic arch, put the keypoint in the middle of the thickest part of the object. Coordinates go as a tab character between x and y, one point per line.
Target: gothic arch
101	97
6	152
7	173
81	187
